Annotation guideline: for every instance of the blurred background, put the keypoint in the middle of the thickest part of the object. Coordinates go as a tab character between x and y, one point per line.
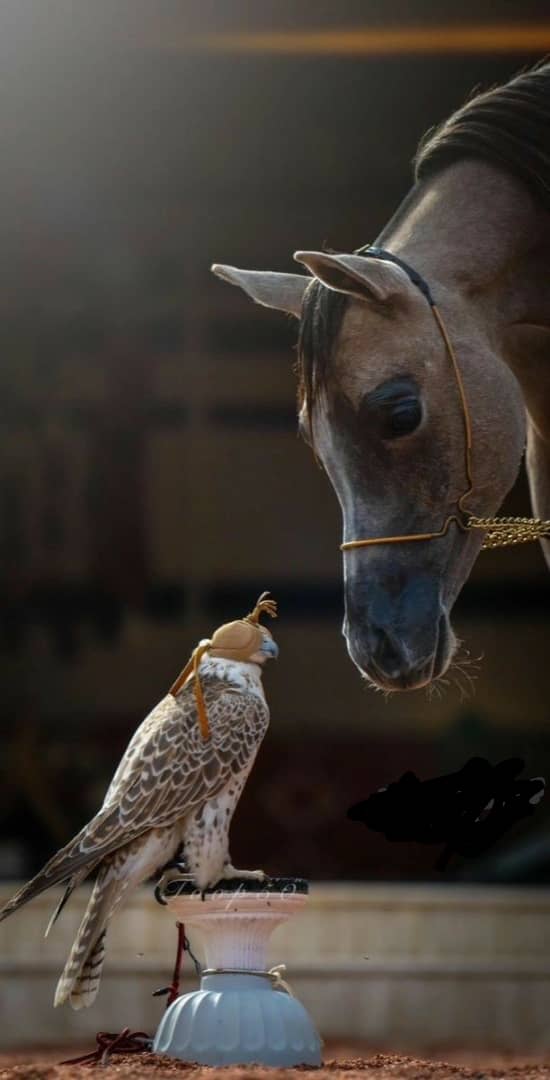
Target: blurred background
151	478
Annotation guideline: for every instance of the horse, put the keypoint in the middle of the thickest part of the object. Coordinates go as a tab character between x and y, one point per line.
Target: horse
420	421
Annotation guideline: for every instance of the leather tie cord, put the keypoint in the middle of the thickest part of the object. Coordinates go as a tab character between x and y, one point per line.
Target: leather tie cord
192	665
499	531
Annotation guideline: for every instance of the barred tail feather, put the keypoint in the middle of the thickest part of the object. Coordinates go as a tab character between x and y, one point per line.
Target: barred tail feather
85	988
79	981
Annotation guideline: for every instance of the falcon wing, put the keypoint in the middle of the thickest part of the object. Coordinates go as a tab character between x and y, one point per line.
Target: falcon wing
164	775
175	769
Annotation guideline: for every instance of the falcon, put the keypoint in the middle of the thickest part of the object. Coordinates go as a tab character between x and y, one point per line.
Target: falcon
178	783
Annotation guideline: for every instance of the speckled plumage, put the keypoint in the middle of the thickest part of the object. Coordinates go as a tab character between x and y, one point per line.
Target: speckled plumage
171	786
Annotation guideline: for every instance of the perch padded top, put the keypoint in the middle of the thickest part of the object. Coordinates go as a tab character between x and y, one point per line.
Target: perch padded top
184	887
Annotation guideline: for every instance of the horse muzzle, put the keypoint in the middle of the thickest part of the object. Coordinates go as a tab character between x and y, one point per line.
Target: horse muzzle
400	643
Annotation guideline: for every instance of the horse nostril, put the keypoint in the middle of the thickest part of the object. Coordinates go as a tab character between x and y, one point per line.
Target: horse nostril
393	660
387	657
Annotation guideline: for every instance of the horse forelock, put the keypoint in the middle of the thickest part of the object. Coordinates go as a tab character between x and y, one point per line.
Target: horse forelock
322	313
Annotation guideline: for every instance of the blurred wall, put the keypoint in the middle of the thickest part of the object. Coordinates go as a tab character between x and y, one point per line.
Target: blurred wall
151	479
401	966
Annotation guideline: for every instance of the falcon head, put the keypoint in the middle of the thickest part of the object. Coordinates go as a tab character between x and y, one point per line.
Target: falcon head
245	641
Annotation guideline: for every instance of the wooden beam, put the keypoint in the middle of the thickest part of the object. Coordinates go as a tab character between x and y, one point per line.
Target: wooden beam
381	41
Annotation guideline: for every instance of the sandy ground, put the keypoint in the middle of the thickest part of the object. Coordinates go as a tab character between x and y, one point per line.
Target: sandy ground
341	1063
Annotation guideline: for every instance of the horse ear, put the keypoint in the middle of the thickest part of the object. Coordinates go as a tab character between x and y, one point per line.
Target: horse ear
368	279
282	291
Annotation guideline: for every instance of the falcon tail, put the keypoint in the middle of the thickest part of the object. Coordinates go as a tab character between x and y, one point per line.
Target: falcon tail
79	981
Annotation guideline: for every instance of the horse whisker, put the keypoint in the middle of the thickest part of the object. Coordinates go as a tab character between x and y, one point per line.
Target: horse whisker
437	688
464	667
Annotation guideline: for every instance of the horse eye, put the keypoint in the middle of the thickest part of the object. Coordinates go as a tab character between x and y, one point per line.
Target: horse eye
393	409
400	418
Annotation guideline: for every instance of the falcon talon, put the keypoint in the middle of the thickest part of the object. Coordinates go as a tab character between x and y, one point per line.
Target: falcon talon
175	790
159	895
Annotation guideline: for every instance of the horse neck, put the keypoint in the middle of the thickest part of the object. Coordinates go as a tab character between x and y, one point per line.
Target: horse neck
483	243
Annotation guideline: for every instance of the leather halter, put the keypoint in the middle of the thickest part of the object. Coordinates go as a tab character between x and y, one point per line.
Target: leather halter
499	532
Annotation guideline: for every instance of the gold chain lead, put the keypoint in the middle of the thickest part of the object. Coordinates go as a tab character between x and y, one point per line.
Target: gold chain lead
507	531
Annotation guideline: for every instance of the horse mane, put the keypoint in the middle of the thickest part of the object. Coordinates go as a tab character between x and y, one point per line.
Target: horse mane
508	125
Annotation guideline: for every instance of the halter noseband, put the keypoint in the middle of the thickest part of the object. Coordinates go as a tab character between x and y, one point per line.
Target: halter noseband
499	531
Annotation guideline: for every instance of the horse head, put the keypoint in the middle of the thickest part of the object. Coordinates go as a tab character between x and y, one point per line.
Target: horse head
381	409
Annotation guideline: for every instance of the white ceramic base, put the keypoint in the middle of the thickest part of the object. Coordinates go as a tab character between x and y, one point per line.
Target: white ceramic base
237	1018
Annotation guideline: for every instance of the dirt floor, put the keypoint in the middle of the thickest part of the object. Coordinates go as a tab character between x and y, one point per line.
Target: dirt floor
341	1063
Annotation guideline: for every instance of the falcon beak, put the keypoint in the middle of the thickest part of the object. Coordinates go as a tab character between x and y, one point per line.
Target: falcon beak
269	648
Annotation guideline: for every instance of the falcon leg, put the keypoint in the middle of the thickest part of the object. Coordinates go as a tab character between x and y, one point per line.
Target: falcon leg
178	862
175	869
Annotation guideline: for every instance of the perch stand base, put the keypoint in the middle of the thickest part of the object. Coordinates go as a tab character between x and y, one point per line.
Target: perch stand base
242	1013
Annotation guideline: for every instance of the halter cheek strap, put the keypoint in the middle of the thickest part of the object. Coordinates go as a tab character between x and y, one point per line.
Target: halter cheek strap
499	532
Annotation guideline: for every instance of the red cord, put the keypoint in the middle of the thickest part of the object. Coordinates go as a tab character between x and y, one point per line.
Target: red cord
108	1042
174	988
